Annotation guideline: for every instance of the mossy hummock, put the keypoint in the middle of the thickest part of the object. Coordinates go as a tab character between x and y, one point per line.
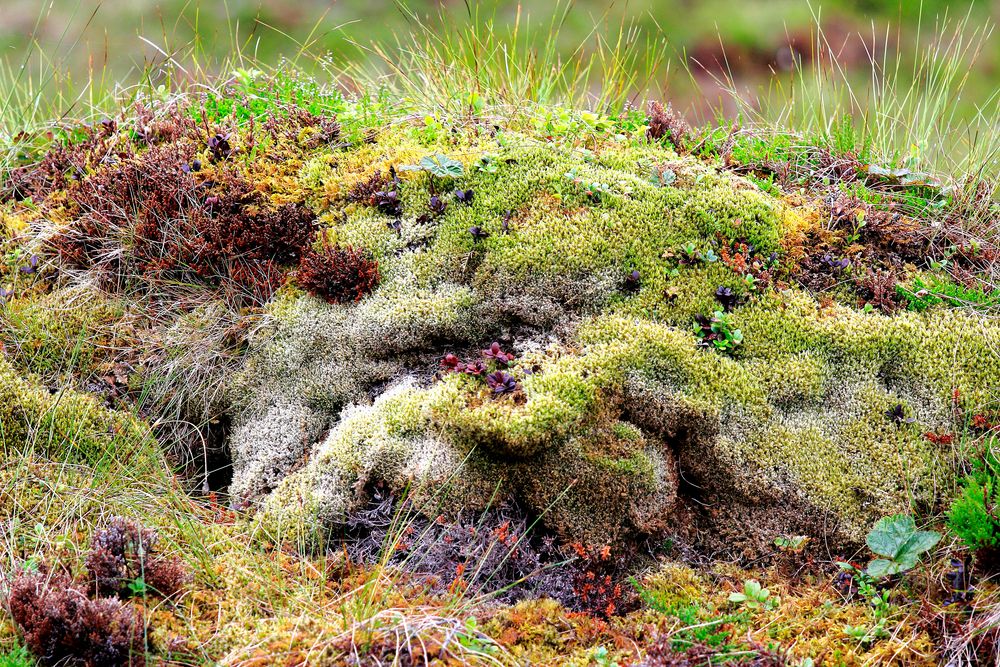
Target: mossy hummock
598	256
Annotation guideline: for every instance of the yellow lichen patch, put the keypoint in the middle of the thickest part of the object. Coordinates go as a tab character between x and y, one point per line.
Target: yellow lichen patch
329	177
796	220
276	174
11	224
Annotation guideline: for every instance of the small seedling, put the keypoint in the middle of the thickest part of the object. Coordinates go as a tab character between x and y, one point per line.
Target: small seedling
602	657
487	165
661	178
878	603
897	415
501	383
717	332
793	543
475	641
633	281
726	298
897	539
593	189
439	165
867	634
755	597
138	587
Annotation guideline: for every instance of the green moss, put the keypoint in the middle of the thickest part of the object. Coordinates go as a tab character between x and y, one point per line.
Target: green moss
623	388
671	585
64	330
629	228
574	390
971	515
942	351
798	409
555	229
800	379
970	518
597	489
676	299
809	416
557	404
70	426
928	290
627	432
16	657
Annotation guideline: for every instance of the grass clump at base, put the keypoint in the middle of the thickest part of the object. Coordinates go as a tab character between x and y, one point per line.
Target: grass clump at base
71	426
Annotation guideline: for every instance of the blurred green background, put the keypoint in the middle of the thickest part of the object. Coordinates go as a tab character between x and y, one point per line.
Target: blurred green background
749	42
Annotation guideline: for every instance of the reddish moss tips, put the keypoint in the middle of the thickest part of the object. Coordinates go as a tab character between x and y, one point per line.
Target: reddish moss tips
123	553
88	621
60	623
338	274
599	582
143	222
665	123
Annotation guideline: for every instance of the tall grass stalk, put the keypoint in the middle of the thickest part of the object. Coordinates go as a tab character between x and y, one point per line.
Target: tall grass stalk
906	107
459	64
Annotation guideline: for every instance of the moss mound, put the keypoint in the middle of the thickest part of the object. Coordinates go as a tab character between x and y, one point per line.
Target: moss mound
70	426
594	322
407	349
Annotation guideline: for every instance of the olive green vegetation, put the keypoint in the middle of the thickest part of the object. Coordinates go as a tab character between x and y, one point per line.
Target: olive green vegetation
799	412
798	416
67	425
971	516
17	657
63	331
577	250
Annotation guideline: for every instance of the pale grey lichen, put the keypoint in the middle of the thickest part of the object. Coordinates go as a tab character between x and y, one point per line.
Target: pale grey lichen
387	441
270	446
321	357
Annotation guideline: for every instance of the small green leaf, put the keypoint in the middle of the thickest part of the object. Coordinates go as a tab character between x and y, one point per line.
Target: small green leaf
898	540
441	165
890	534
880	567
897	537
792	543
919	542
138	587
